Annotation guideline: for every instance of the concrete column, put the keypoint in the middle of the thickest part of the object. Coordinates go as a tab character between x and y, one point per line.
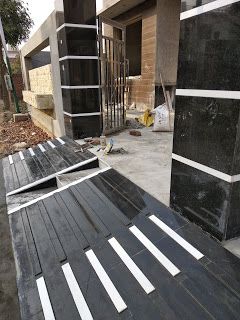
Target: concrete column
77	43
205	184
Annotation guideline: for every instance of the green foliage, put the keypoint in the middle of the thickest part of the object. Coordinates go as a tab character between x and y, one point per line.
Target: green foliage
16	21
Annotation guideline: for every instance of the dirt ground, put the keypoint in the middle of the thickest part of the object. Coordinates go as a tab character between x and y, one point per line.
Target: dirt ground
25	131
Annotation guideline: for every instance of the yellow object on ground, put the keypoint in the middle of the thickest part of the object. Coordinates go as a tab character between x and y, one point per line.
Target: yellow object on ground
146	119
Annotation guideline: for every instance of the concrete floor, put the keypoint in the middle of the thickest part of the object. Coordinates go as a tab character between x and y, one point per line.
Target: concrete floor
147	163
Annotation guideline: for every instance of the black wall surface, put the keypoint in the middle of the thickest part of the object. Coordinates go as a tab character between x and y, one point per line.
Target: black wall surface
206	126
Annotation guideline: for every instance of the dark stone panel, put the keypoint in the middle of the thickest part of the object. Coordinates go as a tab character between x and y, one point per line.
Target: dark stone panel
202	198
79	72
81	100
233	225
206	131
191	4
77	42
82	127
209	51
80	12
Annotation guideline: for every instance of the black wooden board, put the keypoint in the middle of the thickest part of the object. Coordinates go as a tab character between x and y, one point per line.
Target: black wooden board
61	229
34	167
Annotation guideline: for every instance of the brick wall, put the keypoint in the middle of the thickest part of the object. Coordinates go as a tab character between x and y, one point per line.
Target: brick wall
41	80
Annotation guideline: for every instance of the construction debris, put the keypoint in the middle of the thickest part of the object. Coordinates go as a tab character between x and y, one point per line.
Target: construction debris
146	119
93	141
135	133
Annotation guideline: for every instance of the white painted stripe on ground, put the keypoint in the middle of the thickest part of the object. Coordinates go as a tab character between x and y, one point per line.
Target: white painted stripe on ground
73	25
36	183
76	292
45	301
51	144
57	191
206	8
75	115
79	58
21	155
183	243
132	267
114	295
81	87
165	262
31	152
218	94
10	158
61	141
41	147
208	170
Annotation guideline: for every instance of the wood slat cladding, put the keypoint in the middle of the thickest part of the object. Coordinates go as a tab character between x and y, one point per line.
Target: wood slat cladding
142	87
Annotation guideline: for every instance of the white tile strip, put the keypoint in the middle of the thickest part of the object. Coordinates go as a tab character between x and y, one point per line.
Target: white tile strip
81	87
72	25
114	295
78	58
132	267
58	190
61	141
183	243
31	152
165	262
75	115
41	148
51	144
21	155
219	94
10	158
206	8
45	301
208	170
76	292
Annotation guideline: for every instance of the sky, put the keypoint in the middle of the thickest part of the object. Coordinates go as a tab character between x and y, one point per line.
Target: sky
41	9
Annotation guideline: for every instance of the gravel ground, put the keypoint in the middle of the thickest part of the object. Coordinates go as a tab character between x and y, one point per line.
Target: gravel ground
18	132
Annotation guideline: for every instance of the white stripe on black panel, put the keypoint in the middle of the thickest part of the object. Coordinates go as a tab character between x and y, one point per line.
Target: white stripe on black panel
218	94
41	148
61	141
206	8
73	25
21	155
10	159
76	292
31	152
45	300
51	144
78	58
132	267
208	170
106	282
76	115
183	243
81	87
165	262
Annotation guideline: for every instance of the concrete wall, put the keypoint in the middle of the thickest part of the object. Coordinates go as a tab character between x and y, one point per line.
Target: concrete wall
52	122
168	29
